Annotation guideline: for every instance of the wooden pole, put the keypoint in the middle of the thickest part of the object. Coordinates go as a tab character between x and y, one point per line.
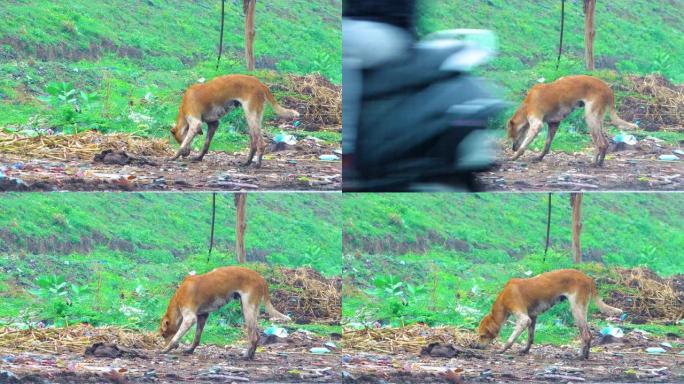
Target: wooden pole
576	204
240	226
589	33
248	7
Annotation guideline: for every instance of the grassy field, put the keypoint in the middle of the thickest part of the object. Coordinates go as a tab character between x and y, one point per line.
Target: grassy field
115	259
125	64
443	258
632	38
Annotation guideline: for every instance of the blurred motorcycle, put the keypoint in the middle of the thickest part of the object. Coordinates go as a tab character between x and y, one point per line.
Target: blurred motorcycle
416	120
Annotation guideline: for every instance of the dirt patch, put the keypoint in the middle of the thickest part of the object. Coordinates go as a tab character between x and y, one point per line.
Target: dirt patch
297	168
648	297
659	106
621	361
288	361
636	168
307	296
62	51
318	101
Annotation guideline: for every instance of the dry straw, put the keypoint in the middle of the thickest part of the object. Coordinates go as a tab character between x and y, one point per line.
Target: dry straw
656	299
74	339
408	339
660	105
81	146
307	296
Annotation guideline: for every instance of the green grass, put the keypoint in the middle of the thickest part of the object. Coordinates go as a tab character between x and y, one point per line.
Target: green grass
120	256
632	37
123	51
443	258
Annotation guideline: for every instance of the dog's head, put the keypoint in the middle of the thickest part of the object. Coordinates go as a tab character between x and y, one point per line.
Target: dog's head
167	328
487	331
517	127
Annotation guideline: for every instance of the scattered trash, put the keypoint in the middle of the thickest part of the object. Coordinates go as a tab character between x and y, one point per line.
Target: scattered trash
612	331
655	350
285	138
678	152
330	345
666	345
623	316
338	151
276	331
668	158
528	273
319	350
625	138
296	123
328	157
18	165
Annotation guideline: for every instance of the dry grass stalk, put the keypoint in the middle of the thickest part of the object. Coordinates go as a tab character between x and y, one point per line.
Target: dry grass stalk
660	105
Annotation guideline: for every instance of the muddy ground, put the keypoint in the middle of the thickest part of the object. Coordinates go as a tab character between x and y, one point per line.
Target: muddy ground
627	168
295	168
287	362
622	360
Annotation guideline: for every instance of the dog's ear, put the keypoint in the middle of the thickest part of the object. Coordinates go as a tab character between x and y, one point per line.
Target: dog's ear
164	324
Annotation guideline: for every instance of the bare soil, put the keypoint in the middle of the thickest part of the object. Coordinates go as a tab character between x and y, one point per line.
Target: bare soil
633	168
622	360
296	168
282	362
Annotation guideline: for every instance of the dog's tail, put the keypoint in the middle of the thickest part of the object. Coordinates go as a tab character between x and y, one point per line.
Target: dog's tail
279	110
617	121
603	307
270	309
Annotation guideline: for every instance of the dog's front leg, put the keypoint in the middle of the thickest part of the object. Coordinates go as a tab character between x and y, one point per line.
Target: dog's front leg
530	335
535	126
211	129
189	320
523	322
553	127
194	128
201	320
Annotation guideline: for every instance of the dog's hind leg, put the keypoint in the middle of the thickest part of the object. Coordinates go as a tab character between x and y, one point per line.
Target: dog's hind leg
594	116
579	303
530	335
201	320
553	128
211	129
535	126
523	322
250	312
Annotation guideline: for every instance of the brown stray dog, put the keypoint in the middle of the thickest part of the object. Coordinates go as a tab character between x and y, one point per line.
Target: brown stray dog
210	101
551	103
527	298
200	295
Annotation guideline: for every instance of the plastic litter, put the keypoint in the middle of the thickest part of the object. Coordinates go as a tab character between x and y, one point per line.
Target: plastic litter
329	157
330	345
319	350
612	331
655	350
285	138
625	138
678	152
666	344
296	123
623	316
668	158
276	331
